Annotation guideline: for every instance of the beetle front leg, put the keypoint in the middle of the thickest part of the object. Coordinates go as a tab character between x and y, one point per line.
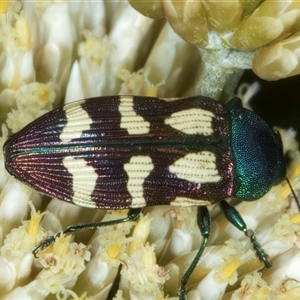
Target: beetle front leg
235	219
133	214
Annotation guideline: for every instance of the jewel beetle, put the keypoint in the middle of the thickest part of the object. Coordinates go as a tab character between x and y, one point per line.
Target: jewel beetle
132	151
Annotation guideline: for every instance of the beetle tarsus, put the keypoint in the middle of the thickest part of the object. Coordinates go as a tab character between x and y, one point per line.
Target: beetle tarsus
45	244
259	250
182	293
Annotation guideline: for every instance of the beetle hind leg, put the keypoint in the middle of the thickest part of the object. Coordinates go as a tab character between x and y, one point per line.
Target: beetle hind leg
132	214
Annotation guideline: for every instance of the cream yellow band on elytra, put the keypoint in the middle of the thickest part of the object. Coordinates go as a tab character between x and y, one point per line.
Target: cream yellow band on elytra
192	121
138	169
130	120
84	179
78	121
196	167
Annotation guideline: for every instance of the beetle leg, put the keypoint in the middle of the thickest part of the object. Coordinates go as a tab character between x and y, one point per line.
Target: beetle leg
203	220
133	213
235	219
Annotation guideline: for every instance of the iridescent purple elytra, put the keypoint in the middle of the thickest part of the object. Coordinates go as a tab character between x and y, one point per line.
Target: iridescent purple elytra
124	151
132	151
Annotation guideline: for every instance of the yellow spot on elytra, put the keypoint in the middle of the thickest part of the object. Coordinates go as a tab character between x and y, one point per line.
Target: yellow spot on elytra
84	176
196	167
78	120
192	121
138	169
130	120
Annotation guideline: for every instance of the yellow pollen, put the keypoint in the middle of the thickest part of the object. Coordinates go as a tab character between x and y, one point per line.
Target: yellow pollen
43	93
15	82
3	6
140	233
61	246
152	91
229	270
23	32
284	191
113	250
292	294
34	224
148	258
295	219
295	170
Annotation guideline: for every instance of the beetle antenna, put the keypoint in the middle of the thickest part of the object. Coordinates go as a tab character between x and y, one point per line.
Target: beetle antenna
293	192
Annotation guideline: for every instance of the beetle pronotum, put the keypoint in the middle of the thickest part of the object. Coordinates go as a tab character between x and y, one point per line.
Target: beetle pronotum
131	151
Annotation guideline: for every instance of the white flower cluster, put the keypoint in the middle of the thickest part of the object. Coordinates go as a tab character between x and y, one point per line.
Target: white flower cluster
241	25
